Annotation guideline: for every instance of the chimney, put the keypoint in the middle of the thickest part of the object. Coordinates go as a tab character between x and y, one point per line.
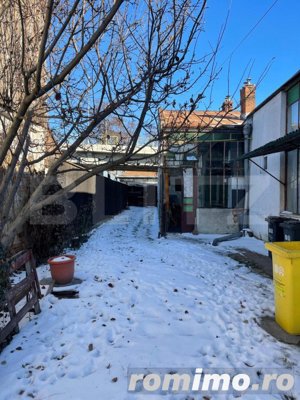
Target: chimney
247	98
227	106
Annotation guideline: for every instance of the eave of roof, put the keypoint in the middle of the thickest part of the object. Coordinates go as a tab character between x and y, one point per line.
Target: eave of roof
284	87
289	142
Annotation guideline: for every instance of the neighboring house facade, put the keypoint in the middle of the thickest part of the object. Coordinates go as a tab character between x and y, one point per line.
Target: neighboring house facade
134	178
263	143
274	159
200	189
16	33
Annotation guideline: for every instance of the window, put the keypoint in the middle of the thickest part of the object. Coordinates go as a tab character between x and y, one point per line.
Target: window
293	108
265	163
216	169
293	157
292	184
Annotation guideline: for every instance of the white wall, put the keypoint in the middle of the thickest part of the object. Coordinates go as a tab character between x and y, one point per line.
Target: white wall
266	195
216	221
37	147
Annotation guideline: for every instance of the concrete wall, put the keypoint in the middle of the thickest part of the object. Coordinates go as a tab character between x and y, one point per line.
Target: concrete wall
104	192
216	221
266	195
88	186
99	200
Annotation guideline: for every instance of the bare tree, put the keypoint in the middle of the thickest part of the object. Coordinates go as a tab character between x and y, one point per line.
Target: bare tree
68	67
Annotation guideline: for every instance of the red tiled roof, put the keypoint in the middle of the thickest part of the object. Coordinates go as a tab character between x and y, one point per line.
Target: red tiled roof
172	119
142	174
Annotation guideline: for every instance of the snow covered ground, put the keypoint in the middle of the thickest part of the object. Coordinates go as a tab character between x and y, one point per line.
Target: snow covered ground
249	243
144	302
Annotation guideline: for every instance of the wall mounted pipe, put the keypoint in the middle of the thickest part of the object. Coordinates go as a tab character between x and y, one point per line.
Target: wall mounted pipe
227	238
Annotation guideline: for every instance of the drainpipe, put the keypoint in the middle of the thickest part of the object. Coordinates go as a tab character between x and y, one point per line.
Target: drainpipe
247	130
166	203
164	197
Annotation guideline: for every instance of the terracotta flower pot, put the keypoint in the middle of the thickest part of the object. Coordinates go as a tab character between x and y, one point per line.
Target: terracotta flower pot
62	268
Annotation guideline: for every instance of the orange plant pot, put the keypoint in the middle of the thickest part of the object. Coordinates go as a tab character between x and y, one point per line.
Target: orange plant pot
62	268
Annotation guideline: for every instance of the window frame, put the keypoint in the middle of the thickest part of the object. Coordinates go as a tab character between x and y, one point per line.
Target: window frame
289	103
297	191
205	180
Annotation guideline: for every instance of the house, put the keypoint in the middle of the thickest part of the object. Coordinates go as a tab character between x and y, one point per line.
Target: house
272	157
200	189
27	31
142	187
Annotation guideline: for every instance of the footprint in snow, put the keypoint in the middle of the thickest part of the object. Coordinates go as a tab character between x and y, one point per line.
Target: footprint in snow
88	369
111	336
61	372
95	353
96	333
43	376
73	374
206	350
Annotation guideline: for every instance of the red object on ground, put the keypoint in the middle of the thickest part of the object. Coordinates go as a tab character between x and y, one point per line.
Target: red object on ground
62	268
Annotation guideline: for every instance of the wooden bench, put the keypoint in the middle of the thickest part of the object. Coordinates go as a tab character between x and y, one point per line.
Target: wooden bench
28	288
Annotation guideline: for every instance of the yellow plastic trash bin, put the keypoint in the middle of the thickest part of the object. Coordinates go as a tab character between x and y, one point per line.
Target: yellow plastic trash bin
286	276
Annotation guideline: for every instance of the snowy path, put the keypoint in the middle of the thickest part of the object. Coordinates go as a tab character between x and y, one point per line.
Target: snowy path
144	302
